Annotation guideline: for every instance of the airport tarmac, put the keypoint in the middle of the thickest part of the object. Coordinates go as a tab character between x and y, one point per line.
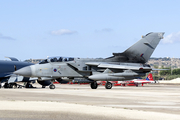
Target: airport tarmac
80	102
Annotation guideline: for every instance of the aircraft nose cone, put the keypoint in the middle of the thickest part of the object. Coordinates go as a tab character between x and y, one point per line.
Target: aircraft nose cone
26	71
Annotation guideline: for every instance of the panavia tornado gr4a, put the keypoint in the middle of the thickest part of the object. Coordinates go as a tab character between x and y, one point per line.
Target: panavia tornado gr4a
121	66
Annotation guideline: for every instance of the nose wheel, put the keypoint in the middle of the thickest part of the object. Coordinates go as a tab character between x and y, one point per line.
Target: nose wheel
52	86
108	85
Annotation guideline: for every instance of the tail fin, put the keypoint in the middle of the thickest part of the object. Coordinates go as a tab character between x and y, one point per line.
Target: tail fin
149	77
142	50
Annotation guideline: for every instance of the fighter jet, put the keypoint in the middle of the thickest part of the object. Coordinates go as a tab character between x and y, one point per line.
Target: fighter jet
120	67
7	69
10	80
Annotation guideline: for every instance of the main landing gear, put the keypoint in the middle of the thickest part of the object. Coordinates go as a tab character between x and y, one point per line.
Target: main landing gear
108	85
94	85
29	85
11	85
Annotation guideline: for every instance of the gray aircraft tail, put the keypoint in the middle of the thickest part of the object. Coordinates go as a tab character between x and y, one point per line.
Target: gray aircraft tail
141	51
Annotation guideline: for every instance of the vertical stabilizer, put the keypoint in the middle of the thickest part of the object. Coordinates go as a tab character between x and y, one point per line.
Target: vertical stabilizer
149	77
142	50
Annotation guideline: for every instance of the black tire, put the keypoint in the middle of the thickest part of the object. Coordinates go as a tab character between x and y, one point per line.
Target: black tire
28	85
52	86
43	86
108	85
136	85
10	85
6	85
15	86
20	86
94	85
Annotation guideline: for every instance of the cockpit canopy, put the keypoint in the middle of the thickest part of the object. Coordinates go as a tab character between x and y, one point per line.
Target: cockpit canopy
57	59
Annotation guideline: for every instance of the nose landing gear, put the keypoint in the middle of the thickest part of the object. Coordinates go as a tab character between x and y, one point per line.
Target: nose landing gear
52	86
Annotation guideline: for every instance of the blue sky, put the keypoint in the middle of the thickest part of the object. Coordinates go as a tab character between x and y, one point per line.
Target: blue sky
85	28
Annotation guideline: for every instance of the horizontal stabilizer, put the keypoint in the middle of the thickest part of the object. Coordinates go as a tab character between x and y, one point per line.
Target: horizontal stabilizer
12	58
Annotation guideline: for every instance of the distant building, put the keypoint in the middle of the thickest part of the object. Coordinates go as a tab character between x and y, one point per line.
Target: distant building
165	62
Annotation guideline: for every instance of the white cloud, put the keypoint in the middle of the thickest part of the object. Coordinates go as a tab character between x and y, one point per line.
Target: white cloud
104	30
172	38
63	32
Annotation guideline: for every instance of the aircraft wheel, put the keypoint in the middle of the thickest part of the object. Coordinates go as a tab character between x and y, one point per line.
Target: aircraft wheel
108	85
10	85
19	86
28	86
94	85
6	85
52	86
43	86
0	85
136	85
15	86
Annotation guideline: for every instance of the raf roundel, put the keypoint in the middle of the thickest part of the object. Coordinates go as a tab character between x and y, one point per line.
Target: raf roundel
55	70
